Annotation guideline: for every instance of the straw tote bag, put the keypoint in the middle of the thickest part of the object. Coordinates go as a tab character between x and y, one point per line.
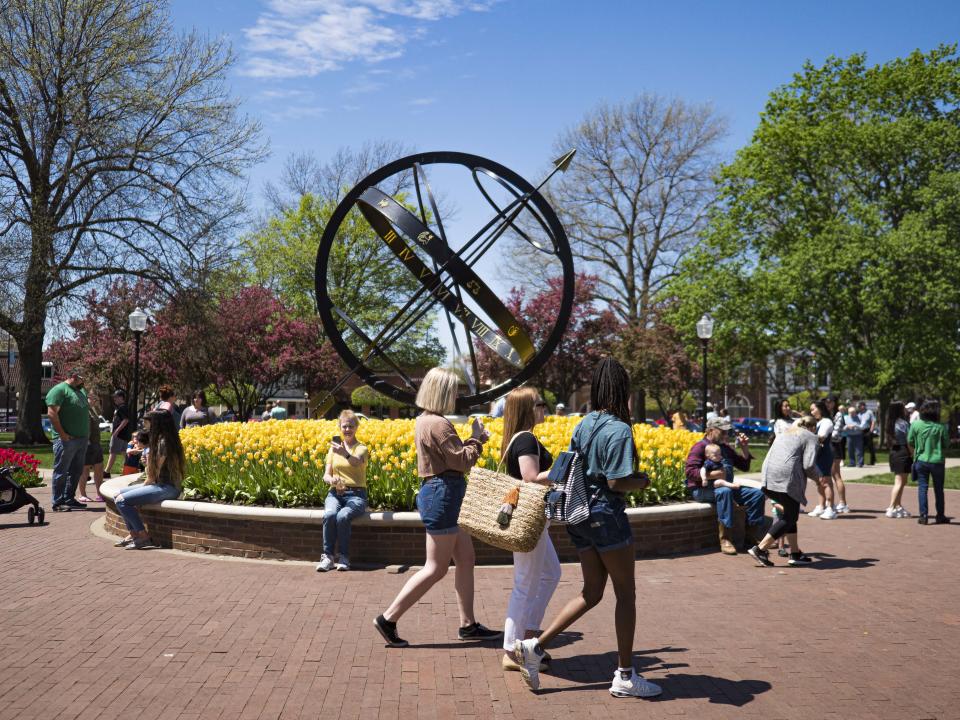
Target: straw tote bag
481	505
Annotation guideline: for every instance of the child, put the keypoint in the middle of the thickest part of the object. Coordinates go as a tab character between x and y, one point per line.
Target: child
714	468
134	460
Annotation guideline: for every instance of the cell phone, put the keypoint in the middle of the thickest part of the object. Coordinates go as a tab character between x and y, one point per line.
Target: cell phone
337	440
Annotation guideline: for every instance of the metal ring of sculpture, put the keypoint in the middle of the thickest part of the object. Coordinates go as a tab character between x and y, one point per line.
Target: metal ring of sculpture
445	274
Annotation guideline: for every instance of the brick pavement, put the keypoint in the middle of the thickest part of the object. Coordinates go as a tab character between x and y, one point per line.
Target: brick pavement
872	630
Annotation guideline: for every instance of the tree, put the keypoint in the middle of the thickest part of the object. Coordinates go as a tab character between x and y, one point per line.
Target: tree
838	232
636	195
102	342
119	152
589	336
251	345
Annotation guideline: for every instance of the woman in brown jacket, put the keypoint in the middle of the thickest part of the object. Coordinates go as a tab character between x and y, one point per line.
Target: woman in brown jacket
442	461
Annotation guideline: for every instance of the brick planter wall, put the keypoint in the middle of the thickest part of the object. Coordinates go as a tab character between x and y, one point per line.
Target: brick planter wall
380	542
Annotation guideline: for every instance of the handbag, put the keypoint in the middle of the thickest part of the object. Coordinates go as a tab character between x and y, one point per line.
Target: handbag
483	500
567	500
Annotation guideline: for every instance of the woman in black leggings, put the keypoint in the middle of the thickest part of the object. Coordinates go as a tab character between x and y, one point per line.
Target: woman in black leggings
791	460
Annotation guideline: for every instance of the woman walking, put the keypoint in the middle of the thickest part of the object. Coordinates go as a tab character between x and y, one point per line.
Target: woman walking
901	461
346	474
535	573
604	541
442	461
165	471
791	460
927	440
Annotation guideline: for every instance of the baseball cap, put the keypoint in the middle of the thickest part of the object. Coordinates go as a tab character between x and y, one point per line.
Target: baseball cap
561	405
911	406
718	423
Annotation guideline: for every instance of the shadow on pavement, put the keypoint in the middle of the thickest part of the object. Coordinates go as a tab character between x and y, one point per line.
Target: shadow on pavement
596	670
717	690
826	561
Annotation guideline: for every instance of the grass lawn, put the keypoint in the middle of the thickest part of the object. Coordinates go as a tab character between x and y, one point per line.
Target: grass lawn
952	481
43	453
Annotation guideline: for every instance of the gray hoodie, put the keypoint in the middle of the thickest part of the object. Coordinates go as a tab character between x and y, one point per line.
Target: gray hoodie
791	460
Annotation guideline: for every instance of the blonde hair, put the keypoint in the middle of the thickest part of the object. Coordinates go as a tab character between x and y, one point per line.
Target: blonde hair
348	415
807	422
711	448
438	391
518	414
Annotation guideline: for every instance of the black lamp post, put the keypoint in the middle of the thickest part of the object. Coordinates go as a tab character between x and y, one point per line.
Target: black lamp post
704	332
138	323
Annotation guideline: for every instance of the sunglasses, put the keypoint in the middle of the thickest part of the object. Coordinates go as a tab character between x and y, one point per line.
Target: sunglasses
540	404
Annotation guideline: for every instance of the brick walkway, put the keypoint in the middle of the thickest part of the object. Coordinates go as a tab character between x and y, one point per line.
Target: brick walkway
872	630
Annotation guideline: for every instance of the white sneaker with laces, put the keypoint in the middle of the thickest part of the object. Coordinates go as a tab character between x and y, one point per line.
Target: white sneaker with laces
325	564
816	512
842	508
343	563
828	514
892	512
902	512
529	661
632	685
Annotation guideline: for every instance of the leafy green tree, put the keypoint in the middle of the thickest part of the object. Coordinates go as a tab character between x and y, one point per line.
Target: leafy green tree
365	280
119	150
838	228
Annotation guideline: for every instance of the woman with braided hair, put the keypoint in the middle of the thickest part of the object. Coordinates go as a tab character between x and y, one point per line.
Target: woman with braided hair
604	440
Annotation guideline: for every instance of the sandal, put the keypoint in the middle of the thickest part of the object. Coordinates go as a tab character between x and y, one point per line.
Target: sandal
84	499
99	498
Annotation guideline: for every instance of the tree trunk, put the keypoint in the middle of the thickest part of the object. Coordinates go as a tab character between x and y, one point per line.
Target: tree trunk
639	405
30	346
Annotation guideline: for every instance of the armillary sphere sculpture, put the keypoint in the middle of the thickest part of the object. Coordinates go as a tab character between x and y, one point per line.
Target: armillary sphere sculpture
439	270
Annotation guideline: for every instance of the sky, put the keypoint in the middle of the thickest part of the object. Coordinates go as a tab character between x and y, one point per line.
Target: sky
503	78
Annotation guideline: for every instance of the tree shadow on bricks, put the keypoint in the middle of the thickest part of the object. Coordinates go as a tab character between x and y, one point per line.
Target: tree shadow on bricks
718	690
826	561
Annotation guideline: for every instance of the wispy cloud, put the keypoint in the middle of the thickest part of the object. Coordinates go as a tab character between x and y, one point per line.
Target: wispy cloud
422	101
297	38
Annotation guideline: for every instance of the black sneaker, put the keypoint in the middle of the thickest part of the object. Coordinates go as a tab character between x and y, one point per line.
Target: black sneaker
761	556
389	632
799	559
922	520
60	508
478	633
941	520
74	503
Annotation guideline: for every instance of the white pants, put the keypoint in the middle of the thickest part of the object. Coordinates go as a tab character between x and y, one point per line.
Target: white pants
535	577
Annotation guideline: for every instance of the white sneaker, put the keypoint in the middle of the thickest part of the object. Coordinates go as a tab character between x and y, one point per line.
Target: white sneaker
632	685
343	563
816	512
842	508
892	512
325	564
529	661
902	512
828	514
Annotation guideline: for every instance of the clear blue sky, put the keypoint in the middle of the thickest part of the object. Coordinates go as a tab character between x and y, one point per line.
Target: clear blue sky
501	79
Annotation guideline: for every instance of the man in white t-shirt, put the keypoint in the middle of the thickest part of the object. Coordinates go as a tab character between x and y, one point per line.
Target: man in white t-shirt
911	408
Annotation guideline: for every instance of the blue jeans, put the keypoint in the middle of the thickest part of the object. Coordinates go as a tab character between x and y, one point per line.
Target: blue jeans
129	498
439	502
752	500
67	467
925	471
855	450
607	528
338	512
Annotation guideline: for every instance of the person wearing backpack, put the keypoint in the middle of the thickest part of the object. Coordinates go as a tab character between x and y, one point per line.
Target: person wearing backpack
604	541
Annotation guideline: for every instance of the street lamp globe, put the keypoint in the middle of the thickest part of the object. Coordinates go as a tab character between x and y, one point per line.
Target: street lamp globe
138	320
704	327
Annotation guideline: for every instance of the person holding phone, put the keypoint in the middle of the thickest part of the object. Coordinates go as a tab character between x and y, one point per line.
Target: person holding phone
442	461
346	474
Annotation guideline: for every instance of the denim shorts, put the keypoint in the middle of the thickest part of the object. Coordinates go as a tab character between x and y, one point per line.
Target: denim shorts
824	459
607	528
439	502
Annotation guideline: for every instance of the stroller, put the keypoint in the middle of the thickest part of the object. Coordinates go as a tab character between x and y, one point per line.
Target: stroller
13	497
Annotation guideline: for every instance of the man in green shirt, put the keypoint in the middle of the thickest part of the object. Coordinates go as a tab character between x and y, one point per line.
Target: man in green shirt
928	440
67	409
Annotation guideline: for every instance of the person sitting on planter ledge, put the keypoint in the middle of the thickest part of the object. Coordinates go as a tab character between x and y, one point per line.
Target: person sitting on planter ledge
724	493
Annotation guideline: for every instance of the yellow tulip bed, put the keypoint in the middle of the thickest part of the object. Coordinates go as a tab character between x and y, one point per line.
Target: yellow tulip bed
281	463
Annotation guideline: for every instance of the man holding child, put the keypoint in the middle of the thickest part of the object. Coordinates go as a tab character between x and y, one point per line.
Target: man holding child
709	472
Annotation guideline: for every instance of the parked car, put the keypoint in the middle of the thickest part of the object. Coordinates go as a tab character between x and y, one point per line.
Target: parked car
753	427
105	425
47	426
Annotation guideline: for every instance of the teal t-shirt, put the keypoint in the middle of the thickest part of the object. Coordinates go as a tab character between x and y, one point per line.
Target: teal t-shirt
73	409
278	413
606	442
929	440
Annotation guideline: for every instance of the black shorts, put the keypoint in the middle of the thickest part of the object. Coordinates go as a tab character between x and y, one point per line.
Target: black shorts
900	460
94	455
